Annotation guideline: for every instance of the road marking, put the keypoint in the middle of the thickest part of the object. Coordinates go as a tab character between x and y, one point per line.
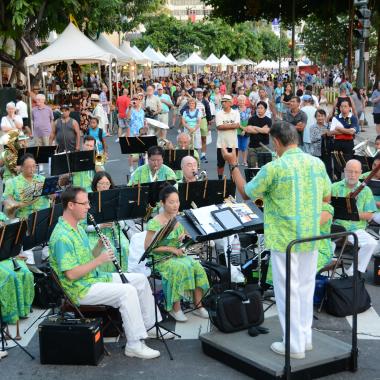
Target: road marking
368	324
116	160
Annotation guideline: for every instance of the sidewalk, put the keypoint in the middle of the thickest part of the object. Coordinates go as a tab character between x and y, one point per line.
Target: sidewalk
370	133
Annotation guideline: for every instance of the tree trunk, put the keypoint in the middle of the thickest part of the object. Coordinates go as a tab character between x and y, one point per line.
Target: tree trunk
350	36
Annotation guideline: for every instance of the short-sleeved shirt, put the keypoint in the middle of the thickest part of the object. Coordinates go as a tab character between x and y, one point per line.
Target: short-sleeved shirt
42	119
15	188
69	248
164	107
365	202
143	175
137	121
7	122
256	138
84	179
122	103
228	137
295	119
292	187
376	197
97	134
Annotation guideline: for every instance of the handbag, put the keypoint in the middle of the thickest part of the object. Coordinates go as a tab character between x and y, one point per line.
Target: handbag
339	293
235	310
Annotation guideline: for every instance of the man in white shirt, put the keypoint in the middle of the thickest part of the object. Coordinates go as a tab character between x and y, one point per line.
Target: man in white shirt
22	111
227	122
310	111
254	95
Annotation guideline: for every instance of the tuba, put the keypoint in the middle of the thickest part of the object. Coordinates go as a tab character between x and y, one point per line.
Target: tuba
363	149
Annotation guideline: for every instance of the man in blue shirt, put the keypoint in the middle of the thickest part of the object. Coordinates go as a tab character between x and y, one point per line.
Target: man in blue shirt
166	104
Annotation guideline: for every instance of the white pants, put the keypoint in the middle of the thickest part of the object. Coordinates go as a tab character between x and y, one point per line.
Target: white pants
367	245
134	301
376	217
303	271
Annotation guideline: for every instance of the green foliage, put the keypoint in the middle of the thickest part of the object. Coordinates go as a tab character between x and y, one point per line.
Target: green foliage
273	47
325	43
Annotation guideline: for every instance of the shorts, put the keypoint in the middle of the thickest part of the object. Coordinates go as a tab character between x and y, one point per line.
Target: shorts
243	142
219	157
123	122
376	118
204	127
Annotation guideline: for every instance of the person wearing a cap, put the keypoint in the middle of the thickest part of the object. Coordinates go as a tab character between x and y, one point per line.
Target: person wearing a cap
296	117
99	113
65	132
227	122
309	109
152	104
166	105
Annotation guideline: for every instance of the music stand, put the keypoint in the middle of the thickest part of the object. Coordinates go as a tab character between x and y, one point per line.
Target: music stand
146	255
345	208
263	158
374	185
173	157
205	193
10	246
250	173
366	162
72	162
155	188
41	154
138	144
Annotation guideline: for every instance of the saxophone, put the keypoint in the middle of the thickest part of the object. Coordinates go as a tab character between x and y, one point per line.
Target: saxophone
11	151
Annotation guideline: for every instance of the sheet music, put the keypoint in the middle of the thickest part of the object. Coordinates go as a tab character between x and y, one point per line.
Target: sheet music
205	219
242	210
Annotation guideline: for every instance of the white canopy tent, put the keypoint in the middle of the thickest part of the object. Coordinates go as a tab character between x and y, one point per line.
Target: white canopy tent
135	56
212	60
243	62
142	55
106	45
171	60
71	45
153	56
163	58
224	60
194	60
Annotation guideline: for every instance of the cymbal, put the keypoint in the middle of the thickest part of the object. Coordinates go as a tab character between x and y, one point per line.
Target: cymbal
156	123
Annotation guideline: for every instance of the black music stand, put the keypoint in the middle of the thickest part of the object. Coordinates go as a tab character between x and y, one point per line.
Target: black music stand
250	173
173	157
374	185
345	208
10	246
205	193
263	158
157	325
72	162
366	162
155	188
41	154
138	144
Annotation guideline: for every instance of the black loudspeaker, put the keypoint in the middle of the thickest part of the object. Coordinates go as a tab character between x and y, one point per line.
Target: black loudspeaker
71	341
7	94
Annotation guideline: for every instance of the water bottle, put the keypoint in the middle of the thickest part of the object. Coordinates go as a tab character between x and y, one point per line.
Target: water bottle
235	251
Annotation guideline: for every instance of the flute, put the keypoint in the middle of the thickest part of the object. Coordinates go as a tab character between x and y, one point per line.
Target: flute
107	245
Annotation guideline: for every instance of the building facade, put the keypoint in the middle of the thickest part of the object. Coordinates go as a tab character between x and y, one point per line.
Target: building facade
193	10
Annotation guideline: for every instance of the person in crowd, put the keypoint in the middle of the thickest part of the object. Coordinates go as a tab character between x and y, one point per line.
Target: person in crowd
243	138
293	188
296	117
166	105
278	94
343	96
309	109
22	110
43	119
191	122
152	104
366	205
122	105
98	134
375	100
203	105
359	102
154	170
322	100
65	132
84	109
182	276
319	130
227	122
77	269
106	104
11	121
98	112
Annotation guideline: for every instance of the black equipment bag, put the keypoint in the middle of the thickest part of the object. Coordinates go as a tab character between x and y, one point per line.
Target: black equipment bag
339	293
217	274
235	310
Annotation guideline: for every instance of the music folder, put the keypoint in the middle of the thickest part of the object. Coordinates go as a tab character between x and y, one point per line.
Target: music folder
173	157
41	154
138	144
155	188
205	193
71	162
345	208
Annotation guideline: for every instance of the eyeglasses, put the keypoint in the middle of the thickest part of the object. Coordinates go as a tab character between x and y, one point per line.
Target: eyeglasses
83	203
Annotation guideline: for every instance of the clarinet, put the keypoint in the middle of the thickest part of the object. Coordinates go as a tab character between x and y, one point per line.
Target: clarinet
107	244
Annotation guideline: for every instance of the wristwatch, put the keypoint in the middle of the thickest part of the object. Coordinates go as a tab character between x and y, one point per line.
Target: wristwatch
232	167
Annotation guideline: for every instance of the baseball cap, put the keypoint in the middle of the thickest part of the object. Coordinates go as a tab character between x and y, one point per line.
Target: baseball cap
159	87
198	89
65	107
226	98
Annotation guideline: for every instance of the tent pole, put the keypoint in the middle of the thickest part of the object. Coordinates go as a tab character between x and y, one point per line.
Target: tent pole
117	80
44	80
29	98
110	89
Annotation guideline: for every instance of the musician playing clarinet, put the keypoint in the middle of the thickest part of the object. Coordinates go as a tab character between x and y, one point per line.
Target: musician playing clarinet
366	206
78	271
293	189
189	166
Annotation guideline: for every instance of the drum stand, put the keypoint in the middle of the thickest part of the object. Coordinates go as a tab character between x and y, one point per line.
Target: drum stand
5	335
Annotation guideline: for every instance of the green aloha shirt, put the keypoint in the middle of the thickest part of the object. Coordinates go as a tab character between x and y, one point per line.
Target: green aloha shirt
143	175
365	203
69	248
325	251
84	179
292	187
3	217
14	188
376	197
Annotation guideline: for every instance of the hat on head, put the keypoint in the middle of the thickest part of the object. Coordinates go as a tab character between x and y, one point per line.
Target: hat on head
65	107
95	97
159	87
307	98
95	117
226	98
198	89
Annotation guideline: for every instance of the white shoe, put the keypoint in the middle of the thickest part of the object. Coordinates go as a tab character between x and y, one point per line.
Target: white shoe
117	140
166	334
201	312
279	348
3	354
179	316
308	346
142	351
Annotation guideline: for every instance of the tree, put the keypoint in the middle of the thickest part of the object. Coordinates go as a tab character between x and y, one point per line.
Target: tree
271	44
27	21
325	43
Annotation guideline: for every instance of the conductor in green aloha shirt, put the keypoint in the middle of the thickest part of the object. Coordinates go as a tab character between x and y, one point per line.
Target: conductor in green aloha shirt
155	170
293	188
